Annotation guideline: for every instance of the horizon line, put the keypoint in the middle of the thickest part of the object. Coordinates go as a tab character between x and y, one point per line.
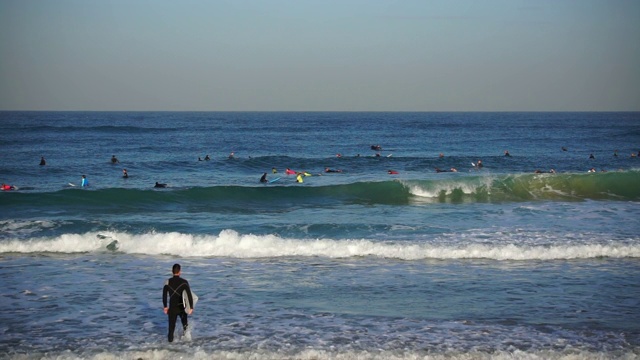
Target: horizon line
339	111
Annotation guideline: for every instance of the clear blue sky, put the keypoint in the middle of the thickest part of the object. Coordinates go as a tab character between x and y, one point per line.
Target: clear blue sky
370	55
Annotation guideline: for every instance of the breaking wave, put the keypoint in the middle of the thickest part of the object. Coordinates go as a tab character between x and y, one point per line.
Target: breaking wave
229	243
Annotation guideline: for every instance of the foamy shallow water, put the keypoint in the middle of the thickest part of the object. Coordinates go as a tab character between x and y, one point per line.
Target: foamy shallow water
103	305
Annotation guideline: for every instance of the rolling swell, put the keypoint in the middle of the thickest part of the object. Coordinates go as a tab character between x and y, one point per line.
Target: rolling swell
503	188
215	197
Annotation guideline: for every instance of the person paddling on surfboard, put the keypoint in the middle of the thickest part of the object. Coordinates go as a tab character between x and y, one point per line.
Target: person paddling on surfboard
263	179
172	300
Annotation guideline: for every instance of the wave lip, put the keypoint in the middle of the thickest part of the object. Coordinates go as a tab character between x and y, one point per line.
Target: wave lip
230	243
526	187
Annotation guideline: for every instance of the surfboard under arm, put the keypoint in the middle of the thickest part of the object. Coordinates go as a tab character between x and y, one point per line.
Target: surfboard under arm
185	300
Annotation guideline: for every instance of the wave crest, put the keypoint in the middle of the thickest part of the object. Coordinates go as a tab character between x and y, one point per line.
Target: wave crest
525	187
230	243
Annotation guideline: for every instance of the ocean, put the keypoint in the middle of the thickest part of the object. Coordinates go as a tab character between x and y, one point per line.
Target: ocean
535	255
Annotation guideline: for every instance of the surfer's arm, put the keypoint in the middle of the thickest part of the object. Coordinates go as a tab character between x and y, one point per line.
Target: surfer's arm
165	292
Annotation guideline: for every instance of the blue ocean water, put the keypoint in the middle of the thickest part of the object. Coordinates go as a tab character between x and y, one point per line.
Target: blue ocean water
511	260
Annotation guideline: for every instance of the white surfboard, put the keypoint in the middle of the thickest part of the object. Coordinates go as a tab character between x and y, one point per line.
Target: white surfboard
185	300
70	184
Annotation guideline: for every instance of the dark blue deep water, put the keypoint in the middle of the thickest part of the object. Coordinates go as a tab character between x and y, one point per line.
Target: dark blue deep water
532	256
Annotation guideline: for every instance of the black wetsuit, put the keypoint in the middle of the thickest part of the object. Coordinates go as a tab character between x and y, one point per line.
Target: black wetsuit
173	291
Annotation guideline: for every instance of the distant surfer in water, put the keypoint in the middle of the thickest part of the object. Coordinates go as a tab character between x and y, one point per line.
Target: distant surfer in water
450	170
125	174
158	185
114	159
84	182
6	187
172	300
327	170
43	161
263	179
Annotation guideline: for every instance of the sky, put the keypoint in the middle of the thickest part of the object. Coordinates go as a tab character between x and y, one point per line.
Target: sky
324	55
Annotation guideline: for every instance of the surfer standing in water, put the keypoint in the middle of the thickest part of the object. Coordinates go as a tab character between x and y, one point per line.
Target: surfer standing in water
172	300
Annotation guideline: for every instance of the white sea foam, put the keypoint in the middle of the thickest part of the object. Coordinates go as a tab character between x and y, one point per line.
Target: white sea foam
448	187
443	188
24	227
230	243
316	354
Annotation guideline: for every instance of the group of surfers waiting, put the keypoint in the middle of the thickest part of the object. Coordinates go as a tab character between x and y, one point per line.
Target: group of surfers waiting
84	182
301	174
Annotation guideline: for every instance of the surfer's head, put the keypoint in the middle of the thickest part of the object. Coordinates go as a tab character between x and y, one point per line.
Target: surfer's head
176	269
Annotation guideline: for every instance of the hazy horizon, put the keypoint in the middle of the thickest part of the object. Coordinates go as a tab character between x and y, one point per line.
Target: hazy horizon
380	56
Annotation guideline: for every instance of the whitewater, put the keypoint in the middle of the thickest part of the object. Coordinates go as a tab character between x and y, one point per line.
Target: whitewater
231	244
536	255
